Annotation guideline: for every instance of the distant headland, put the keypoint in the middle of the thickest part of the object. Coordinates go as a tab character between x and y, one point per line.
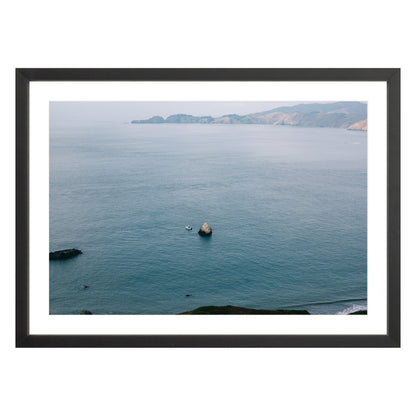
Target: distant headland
351	115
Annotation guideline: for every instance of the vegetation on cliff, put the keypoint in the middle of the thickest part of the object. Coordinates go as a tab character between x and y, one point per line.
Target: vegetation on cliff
236	310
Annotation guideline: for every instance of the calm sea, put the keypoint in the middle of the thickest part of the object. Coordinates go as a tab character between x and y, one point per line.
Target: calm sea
287	207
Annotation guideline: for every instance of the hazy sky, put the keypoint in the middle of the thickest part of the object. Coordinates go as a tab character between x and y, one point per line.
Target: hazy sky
137	110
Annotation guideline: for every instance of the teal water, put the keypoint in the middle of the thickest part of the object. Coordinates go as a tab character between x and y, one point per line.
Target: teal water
287	206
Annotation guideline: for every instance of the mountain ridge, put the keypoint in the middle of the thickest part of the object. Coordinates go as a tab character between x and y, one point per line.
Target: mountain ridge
343	114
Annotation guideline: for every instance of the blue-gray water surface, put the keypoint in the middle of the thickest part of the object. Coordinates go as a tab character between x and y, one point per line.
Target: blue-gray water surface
287	205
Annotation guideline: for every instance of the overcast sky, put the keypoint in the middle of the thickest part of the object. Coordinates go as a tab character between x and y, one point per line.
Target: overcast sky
127	111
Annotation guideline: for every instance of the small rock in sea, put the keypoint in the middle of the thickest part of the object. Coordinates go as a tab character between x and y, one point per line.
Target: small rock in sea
85	312
86	287
205	230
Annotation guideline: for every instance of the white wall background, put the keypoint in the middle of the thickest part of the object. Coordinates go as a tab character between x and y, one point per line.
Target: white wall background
207	34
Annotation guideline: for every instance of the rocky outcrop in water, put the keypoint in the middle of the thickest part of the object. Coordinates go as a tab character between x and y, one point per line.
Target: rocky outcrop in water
236	310
205	230
64	254
85	312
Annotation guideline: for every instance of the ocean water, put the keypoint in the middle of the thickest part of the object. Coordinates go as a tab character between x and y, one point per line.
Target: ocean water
287	207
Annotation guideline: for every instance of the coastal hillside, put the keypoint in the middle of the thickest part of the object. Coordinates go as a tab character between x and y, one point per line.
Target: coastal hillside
360	125
345	114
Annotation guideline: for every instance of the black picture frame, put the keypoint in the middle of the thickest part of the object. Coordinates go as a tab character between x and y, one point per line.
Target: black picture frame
24	77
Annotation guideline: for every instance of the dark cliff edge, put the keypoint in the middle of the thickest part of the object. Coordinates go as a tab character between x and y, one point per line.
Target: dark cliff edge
236	310
364	312
64	254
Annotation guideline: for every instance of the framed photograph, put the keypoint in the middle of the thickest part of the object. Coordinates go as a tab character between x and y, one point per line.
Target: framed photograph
208	207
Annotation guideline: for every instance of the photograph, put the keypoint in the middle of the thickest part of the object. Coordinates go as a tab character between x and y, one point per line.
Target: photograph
208	207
